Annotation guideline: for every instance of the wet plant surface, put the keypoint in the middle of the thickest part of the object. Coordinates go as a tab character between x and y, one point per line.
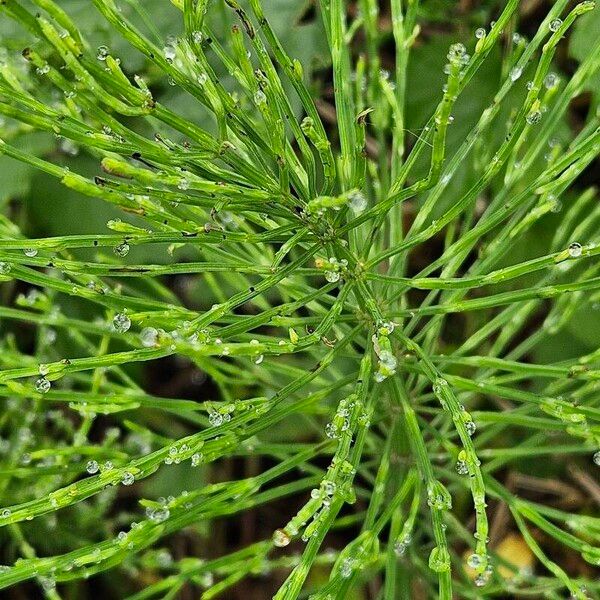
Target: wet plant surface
299	299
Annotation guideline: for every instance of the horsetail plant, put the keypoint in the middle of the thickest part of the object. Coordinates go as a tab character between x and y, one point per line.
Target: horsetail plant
373	350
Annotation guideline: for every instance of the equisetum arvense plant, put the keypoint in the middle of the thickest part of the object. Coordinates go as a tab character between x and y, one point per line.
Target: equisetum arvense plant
368	336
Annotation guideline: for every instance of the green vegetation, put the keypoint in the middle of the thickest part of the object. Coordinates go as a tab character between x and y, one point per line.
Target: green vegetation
341	339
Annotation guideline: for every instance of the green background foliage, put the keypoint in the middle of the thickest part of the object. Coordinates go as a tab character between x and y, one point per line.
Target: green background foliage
42	207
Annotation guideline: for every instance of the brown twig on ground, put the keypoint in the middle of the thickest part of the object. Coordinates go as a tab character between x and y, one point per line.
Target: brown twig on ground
586	482
566	495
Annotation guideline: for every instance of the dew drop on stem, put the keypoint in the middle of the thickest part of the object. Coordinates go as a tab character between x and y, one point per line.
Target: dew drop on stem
149	337
575	250
128	478
121	323
121	250
551	80
42	385
461	467
281	538
515	73
170	53
475	561
92	467
357	201
555	25
102	53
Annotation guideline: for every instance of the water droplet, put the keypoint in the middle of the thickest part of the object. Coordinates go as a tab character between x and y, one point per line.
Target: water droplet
400	548
534	117
92	467
48	583
347	567
43	70
401	544
332	276
387	363
121	323
515	73
471	428
42	385
357	201
551	80
102	53
331	431
184	184
461	467
196	459
483	578
575	250
457	53
329	487
68	147
31	252
170	53
555	24
281	538
215	419
386	328
121	249
149	337
439	384
596	458
158	515
5	268
202	78
480	33
439	497
259	97
164	558
6	513
127	478
475	561
197	36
